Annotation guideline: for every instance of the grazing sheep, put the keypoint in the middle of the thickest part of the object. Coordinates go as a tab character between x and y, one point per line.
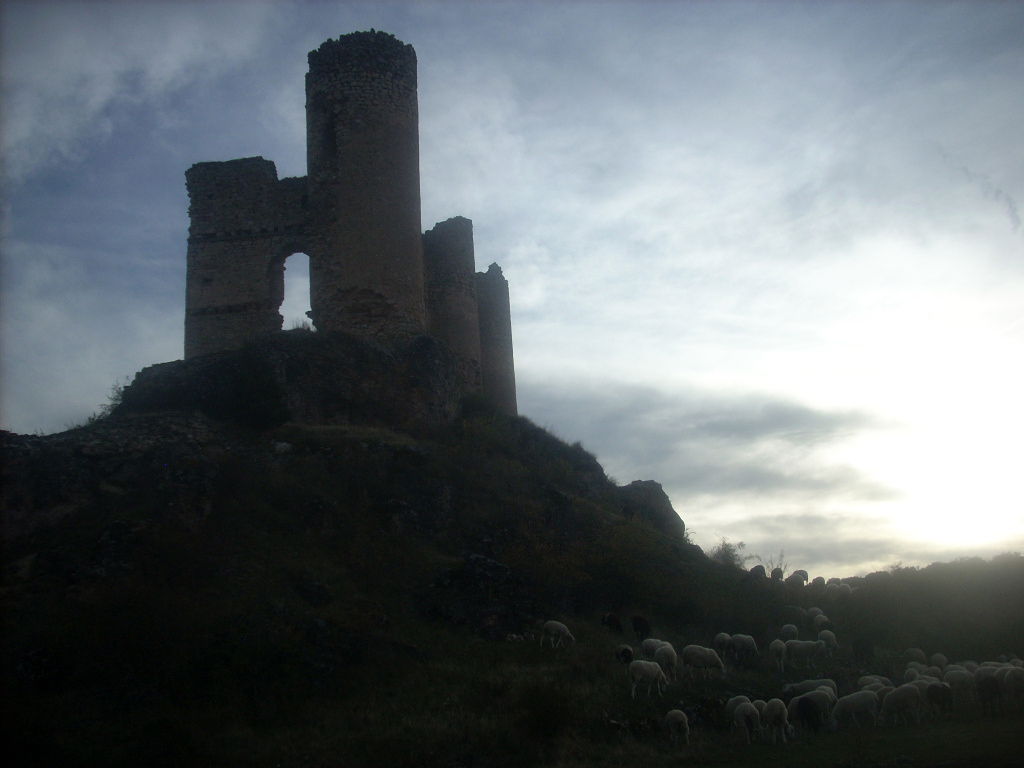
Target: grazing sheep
667	659
678	726
789	632
777	654
744	648
704	659
939	660
746	721
557	633
801	573
732	703
821	621
795	689
649	646
759	572
624	654
642	627
814	611
962	684
828	637
777	574
865	679
939	697
613	623
852	707
804	652
809	711
722	642
843	590
902	705
649	673
776	719
914	654
759	705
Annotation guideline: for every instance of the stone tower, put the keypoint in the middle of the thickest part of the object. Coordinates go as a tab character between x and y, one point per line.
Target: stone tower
357	216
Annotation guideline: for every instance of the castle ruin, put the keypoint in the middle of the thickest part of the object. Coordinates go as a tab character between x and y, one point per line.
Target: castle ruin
356	214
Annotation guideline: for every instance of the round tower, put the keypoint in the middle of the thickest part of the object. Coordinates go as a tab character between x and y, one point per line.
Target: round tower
362	144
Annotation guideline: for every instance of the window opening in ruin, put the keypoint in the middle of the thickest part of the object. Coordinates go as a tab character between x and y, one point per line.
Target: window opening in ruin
296	293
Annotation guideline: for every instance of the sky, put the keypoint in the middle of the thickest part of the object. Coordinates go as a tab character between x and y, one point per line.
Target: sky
768	254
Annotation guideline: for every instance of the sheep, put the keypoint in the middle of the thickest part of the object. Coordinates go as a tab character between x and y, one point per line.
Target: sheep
962	684
865	679
809	710
722	643
939	660
647	672
746	720
678	726
804	652
649	646
777	654
624	653
557	632
902	705
795	689
759	705
989	694
914	654
1013	686
814	611
758	572
642	627
789	632
699	657
939	698
852	706
744	648
776	719
828	637
777	574
821	621
667	659
611	621
732	703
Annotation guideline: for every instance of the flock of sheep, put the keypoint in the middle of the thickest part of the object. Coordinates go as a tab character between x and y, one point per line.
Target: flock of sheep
929	688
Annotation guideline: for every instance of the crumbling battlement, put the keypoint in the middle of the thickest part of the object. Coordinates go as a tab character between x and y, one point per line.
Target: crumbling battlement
356	214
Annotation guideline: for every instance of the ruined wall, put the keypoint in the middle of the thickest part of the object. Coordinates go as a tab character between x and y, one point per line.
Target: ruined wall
497	365
244	223
450	277
362	144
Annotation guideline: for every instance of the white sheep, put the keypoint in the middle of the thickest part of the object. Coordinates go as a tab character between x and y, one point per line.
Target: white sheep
777	654
939	660
903	705
776	719
704	659
865	679
733	702
759	705
814	611
649	646
828	637
557	632
667	659
794	689
915	654
852	706
962	685
746	720
744	648
804	652
649	673
678	726
810	710
789	632
722	642
821	621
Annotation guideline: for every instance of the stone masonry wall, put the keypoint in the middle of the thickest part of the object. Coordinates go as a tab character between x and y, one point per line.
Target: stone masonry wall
244	223
497	366
449	271
362	143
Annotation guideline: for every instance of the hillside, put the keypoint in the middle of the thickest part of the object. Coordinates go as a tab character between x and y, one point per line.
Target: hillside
181	590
